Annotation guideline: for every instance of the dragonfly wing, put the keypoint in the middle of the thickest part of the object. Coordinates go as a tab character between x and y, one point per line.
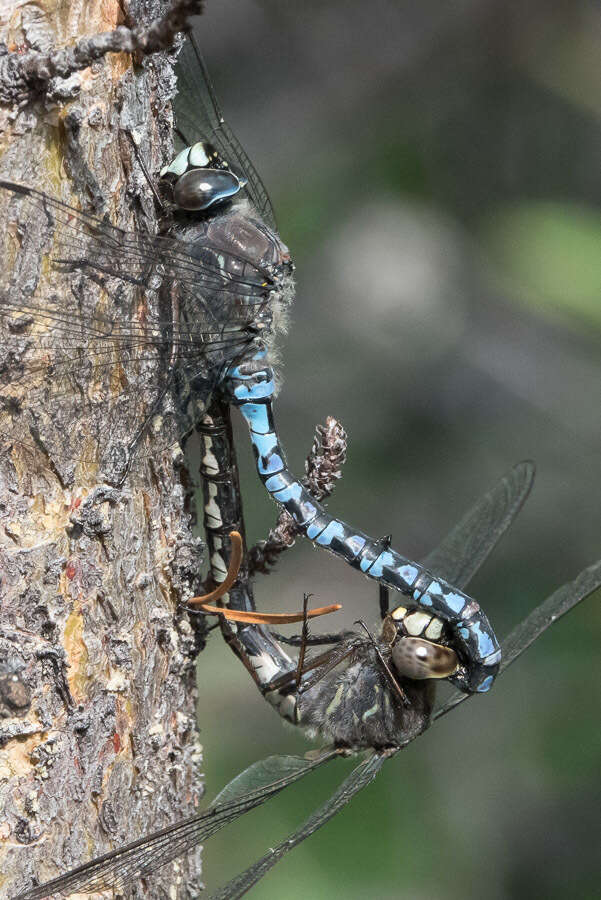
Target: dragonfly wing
214	276
359	778
269	775
548	612
141	858
199	116
133	309
533	626
469	544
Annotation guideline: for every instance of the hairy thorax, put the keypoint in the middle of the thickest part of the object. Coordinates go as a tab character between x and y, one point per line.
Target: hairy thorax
358	707
254	262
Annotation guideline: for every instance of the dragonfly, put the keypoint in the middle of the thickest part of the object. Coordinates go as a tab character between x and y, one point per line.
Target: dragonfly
354	707
460	555
151	327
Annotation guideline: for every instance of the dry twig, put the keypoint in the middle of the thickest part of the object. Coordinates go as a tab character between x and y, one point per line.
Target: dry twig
22	74
323	468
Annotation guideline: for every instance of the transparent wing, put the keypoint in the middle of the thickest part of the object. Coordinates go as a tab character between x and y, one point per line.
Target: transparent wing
134	310
141	858
359	778
198	116
533	626
469	544
556	606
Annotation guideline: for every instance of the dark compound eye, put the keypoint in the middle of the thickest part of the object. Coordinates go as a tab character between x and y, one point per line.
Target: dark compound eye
201	188
419	659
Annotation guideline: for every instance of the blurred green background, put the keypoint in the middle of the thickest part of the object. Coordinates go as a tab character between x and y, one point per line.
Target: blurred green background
435	169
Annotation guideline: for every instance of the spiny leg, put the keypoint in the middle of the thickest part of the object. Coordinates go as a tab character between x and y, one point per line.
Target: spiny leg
393	681
324	663
313	640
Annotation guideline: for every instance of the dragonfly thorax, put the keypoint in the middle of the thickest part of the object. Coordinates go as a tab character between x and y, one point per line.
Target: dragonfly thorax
200	178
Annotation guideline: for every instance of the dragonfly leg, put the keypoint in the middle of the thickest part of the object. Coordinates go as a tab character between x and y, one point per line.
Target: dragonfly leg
322	664
384	601
250	385
304	638
314	640
393	680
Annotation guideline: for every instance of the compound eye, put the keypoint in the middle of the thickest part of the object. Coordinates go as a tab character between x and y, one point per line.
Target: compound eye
419	659
199	189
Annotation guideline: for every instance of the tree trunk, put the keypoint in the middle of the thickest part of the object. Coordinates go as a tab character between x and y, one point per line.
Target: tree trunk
98	739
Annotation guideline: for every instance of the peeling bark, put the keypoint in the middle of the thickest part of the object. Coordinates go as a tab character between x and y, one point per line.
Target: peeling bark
98	737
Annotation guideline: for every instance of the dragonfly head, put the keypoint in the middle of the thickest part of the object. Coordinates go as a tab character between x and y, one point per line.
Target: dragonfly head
418	644
200	178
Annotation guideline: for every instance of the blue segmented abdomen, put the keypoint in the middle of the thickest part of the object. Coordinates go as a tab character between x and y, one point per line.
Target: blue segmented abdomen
250	385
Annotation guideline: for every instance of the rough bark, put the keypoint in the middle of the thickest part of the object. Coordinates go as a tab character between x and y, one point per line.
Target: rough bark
98	738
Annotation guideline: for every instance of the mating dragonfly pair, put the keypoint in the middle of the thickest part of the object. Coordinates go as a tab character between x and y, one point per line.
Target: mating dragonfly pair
217	284
353	709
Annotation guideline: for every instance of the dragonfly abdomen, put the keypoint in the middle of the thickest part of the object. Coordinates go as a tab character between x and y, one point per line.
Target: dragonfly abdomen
222	515
251	386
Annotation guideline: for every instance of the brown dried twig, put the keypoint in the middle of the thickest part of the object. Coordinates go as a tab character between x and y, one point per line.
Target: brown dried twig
323	468
22	74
